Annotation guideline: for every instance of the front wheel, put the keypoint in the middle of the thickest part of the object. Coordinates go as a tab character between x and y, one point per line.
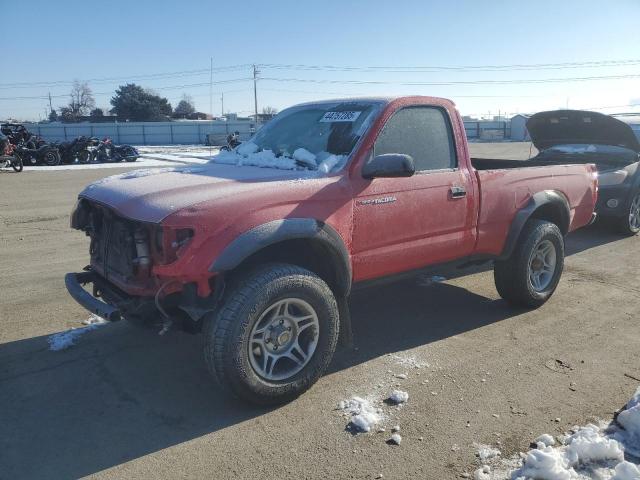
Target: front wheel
531	274
16	164
630	223
84	156
274	336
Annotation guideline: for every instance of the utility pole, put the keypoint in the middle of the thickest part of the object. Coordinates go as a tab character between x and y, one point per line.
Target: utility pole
211	89
50	106
255	91
222	103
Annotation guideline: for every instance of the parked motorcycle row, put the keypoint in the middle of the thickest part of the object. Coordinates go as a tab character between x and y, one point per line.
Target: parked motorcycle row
21	147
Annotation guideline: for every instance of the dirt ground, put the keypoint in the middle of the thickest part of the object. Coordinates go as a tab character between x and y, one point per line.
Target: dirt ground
126	403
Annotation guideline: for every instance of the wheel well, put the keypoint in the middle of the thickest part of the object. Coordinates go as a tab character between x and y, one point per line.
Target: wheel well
553	213
306	253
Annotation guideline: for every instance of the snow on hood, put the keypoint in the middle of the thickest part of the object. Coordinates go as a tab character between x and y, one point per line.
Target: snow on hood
150	195
561	127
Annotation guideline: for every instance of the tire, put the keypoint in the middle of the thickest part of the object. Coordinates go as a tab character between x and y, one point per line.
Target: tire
84	156
630	224
51	158
524	279
17	164
254	304
129	155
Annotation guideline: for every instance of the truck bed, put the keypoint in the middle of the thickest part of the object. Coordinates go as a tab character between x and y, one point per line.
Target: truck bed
502	163
505	163
507	185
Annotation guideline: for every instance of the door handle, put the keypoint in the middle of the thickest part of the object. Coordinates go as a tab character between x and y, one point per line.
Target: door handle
458	192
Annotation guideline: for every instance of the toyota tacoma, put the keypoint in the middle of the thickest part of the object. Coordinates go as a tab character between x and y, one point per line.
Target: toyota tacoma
260	248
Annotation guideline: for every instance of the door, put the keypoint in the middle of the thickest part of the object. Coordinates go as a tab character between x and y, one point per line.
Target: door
402	224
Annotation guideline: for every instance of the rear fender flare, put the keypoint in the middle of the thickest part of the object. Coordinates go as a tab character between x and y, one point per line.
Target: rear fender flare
537	201
277	231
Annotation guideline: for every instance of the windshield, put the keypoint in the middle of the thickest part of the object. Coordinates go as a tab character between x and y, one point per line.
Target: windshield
317	136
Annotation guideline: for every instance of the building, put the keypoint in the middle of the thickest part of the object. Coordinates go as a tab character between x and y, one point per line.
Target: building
519	131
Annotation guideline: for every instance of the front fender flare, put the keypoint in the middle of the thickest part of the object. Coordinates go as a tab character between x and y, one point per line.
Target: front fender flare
277	231
538	200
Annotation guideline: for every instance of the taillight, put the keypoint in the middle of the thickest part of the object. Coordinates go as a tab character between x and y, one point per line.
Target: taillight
594	173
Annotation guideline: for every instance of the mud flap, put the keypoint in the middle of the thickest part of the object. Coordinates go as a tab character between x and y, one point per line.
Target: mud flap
346	332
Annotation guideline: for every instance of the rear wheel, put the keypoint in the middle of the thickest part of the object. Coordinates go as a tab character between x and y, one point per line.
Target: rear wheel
274	336
130	155
531	274
630	223
51	158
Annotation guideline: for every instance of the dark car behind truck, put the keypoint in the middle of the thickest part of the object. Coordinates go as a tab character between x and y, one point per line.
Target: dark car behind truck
576	136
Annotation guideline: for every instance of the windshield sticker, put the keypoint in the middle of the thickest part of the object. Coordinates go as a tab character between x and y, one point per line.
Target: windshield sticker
330	117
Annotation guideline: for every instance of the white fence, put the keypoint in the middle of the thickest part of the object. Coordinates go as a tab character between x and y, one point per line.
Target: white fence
199	132
146	133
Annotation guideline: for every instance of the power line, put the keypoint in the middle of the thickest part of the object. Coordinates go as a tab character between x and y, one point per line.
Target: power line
453	82
171	87
315	92
151	76
396	69
474	68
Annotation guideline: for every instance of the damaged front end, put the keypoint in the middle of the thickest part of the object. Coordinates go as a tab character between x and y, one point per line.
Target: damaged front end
129	271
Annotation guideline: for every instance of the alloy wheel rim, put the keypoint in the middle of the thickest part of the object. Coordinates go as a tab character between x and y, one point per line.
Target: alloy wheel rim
634	213
542	265
284	339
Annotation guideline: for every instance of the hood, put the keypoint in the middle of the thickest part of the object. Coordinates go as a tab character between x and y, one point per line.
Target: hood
151	195
562	127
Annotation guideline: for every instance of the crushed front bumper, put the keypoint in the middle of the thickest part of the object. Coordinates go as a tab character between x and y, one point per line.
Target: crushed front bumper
74	283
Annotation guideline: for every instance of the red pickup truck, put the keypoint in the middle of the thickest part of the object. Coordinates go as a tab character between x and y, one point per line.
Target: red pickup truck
260	249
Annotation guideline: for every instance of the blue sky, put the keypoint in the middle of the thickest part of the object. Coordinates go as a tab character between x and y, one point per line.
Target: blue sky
51	43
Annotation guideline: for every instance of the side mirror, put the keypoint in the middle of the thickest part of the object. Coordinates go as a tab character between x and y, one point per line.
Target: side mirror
389	165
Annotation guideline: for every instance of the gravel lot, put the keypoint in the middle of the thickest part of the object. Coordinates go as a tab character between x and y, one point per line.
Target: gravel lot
125	403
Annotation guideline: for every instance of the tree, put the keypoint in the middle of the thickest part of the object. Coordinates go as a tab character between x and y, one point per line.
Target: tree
132	102
82	100
67	115
185	108
96	112
53	116
269	111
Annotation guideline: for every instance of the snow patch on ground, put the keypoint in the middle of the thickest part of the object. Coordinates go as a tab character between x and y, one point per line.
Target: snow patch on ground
364	416
588	452
64	340
486	452
150	156
408	361
545	440
398	396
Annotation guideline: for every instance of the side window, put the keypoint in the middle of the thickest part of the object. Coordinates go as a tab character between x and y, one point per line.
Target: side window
422	132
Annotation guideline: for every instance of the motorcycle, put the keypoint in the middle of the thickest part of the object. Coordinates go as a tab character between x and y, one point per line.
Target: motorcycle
35	151
75	150
10	156
106	151
233	140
